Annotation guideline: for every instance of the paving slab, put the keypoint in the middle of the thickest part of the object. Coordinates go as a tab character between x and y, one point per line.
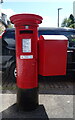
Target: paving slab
50	106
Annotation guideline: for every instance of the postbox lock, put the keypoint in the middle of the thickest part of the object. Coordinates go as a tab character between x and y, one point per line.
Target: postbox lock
26	56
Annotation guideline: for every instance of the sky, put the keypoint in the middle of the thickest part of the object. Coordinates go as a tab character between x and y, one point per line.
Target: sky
48	9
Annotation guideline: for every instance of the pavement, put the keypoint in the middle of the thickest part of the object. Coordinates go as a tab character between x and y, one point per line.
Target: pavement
50	106
56	102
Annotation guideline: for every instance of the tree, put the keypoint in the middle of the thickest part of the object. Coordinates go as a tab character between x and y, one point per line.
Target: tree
9	24
69	22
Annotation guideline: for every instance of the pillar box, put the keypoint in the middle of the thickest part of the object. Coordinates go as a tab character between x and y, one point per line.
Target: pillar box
26	59
52	55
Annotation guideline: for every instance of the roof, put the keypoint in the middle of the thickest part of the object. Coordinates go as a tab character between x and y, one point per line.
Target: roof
12	29
49	28
56	28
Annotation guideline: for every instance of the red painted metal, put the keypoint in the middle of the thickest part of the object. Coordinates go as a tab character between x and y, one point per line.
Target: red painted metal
52	55
26	28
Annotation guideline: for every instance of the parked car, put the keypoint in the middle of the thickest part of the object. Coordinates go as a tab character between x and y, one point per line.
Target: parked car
8	48
8	53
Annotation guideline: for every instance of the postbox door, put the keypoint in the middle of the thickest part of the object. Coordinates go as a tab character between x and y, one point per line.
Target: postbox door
26	51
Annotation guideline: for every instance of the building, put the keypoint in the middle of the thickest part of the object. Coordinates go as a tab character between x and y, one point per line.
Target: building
74	9
3	19
3	22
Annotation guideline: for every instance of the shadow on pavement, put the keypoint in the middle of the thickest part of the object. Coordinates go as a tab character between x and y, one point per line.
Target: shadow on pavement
57	85
38	114
61	85
13	113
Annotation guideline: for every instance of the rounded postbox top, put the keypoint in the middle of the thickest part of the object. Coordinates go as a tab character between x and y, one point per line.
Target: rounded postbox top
26	19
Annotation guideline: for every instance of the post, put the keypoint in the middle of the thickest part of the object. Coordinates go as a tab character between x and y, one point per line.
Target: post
58	15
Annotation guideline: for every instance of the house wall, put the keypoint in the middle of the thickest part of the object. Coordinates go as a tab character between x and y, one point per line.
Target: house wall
2	27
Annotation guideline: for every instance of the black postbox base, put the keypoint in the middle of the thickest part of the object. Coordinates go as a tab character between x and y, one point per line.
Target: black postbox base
27	99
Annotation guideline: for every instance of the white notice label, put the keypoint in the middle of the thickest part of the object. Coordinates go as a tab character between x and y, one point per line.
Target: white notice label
26	45
26	56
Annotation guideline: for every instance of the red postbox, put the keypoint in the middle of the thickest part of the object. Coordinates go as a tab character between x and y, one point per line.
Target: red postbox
52	55
26	59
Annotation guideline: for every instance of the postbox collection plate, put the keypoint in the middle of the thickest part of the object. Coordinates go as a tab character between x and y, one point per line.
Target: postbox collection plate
26	45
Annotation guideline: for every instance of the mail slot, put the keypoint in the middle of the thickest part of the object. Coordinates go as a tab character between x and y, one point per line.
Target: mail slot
26	59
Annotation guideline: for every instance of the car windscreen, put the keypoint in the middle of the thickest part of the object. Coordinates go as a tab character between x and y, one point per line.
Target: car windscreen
9	38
